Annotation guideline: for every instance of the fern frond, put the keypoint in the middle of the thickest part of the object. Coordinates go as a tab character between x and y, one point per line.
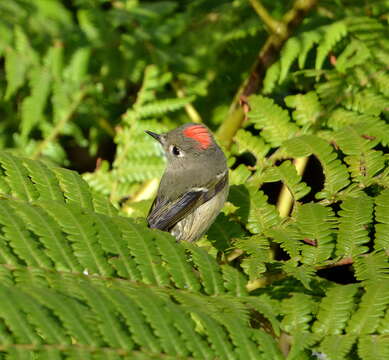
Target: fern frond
75	189
108	324
303	273
356	213
234	281
374	301
163	106
254	144
336	176
331	34
297	312
287	173
382	218
80	231
211	277
336	347
144	252
176	263
308	108
254	210
334	311
271	119
44	180
258	248
316	222
239	175
289	239
112	242
373	347
15	318
49	234
366	166
17	177
372	267
20	239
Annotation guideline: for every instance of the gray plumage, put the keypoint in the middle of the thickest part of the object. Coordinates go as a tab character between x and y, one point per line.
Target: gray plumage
194	186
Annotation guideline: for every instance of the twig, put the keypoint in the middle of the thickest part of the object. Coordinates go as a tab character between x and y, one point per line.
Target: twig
273	25
266	57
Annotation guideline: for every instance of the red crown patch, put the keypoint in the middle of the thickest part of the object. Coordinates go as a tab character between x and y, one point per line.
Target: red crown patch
200	134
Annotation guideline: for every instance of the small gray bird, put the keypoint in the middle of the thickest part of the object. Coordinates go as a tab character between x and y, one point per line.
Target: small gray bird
194	186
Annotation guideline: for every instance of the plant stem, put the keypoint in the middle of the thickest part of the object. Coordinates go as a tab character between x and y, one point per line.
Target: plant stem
285	199
268	20
266	57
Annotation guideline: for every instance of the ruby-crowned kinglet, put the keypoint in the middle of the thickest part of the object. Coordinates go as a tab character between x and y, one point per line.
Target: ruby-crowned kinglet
194	186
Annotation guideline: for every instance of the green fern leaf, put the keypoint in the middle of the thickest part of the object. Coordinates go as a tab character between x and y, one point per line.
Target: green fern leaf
44	180
194	342
75	189
111	241
355	53
316	223
382	217
15	318
163	106
336	176
140	330
239	175
331	35
254	210
287	173
258	248
308	108
109	326
49	234
289	54
176	262
73	315
248	142
373	347
267	307
356	213
208	270
336	347
143	249
20	239
271	119
17	178
303	273
289	239
334	311
234	281
80	231
373	303
161	322
297	312
372	267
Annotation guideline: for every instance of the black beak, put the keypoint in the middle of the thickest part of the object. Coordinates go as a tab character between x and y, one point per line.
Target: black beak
154	135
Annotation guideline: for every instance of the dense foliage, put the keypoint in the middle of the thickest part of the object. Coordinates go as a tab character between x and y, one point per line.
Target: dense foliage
295	267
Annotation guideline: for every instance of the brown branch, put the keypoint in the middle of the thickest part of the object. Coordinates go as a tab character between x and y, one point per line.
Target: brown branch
266	57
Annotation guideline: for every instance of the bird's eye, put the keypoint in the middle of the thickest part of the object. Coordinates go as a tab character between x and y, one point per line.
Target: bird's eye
175	150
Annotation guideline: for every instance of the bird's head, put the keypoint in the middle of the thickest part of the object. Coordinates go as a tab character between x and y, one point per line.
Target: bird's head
189	143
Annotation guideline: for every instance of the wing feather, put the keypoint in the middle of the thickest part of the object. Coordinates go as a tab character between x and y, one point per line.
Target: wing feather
165	213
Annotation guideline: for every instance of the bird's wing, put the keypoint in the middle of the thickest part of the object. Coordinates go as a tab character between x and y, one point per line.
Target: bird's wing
164	214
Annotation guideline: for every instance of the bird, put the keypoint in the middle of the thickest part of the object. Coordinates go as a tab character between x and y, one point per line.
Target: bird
194	186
